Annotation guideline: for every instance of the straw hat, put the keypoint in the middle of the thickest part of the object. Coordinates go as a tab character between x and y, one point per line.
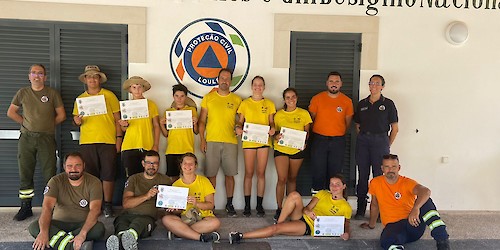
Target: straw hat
136	80
93	70
189	102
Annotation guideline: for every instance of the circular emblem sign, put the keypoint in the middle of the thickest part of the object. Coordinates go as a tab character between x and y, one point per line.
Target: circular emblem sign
202	48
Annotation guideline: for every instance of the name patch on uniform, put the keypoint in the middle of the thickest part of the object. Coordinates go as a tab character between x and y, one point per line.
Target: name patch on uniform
364	108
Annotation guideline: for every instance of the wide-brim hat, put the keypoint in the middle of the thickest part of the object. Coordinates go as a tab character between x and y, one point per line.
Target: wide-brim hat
92	70
189	102
136	80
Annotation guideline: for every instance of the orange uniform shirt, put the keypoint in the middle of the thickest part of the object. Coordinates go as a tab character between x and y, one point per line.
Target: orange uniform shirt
395	201
330	113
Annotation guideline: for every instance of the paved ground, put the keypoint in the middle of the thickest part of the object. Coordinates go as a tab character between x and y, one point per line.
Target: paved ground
467	229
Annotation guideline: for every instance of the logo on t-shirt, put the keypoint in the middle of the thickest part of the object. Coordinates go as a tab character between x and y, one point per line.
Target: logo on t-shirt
44	99
46	190
339	109
381	108
397	195
83	203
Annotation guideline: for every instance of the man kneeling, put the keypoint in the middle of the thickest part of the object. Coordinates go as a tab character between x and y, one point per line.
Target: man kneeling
405	208
139	215
197	221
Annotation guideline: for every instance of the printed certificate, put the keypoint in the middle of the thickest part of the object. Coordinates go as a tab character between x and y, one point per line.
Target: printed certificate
292	138
329	225
172	197
255	133
92	105
179	119
134	109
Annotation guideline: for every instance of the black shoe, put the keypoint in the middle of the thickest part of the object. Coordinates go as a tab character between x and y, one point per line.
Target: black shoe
359	217
235	237
247	212
210	237
25	210
260	211
108	209
443	244
230	210
277	215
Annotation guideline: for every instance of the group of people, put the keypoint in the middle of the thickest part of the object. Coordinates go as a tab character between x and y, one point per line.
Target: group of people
223	115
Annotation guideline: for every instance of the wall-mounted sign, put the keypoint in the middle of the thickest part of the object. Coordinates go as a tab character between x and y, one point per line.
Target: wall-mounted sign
202	48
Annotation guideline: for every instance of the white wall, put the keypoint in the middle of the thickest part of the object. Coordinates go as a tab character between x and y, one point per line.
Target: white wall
446	92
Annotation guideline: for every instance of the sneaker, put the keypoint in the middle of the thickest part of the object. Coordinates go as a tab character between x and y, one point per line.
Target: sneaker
210	237
443	244
260	212
113	243
397	247
128	241
172	236
313	191
108	210
87	245
230	211
247	212
235	237
277	215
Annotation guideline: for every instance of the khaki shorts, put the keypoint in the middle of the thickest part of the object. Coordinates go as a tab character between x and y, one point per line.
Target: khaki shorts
221	154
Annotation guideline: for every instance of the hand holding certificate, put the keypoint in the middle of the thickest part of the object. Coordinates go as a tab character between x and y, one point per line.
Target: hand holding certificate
329	225
172	197
92	105
134	109
255	133
179	119
292	138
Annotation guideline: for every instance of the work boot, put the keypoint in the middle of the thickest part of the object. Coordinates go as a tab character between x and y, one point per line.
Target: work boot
25	210
361	210
443	244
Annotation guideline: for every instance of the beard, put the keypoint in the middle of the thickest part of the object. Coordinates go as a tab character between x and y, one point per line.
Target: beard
151	171
333	90
74	176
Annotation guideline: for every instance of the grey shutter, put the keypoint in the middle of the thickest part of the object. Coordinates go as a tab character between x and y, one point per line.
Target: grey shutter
312	57
21	45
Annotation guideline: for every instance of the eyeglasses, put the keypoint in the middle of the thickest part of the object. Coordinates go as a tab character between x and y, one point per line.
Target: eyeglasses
152	163
375	83
33	74
390	156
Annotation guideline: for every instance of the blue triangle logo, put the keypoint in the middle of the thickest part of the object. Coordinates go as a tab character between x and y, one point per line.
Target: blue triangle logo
209	59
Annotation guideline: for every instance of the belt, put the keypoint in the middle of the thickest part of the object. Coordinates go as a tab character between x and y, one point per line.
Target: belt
373	134
328	137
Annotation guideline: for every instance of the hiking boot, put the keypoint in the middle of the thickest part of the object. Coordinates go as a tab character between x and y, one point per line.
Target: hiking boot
277	215
87	245
210	237
443	244
230	211
108	210
235	237
247	212
25	210
260	211
128	241
113	243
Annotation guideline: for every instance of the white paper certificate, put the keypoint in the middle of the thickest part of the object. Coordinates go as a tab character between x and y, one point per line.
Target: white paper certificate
179	119
92	105
134	109
172	197
255	133
329	225
292	138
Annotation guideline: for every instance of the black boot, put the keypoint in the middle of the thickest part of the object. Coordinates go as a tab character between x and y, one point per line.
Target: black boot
361	210
25	210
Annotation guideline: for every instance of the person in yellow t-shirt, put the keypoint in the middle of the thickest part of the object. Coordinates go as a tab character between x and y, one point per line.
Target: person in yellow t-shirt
179	141
100	135
288	160
323	203
257	110
142	134
200	199
218	118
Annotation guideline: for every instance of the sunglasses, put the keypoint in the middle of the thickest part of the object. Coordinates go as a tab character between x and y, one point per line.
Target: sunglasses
390	156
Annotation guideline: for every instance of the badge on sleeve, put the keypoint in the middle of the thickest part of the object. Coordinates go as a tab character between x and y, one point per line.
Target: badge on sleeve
83	203
46	190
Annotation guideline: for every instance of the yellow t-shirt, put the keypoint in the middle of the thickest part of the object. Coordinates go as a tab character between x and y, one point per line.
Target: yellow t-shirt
181	141
99	128
296	119
327	206
200	188
257	112
140	132
221	116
